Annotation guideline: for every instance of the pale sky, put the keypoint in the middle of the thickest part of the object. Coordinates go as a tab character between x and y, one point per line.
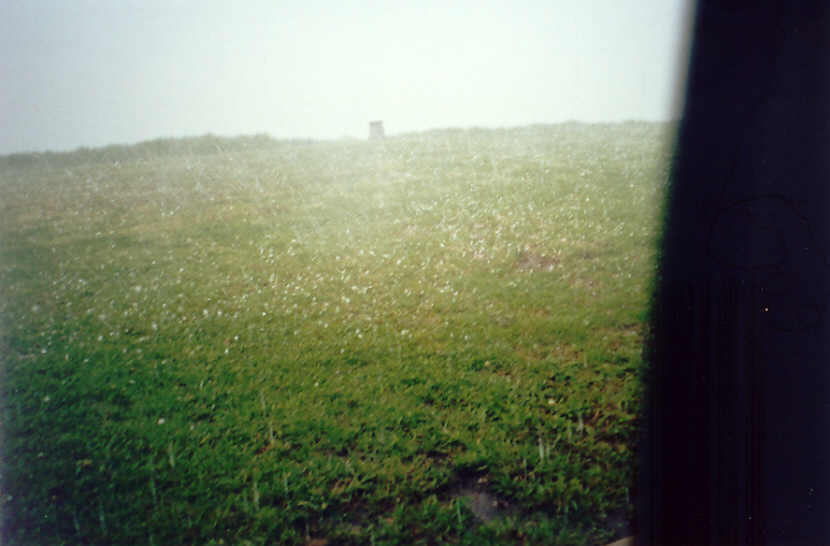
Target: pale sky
91	73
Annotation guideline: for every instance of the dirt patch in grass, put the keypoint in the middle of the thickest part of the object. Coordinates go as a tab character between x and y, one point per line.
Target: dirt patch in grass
531	260
472	488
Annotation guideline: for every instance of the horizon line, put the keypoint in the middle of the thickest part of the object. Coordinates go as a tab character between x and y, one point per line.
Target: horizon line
265	134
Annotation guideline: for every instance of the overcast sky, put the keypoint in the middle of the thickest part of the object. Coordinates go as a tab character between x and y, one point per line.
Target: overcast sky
90	73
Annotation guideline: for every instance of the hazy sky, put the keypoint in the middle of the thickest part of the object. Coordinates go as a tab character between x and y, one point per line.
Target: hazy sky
90	73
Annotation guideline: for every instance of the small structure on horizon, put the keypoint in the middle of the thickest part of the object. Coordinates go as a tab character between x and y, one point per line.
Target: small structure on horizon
376	130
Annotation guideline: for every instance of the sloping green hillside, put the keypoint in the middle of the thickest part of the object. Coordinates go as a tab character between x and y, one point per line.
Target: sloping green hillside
249	341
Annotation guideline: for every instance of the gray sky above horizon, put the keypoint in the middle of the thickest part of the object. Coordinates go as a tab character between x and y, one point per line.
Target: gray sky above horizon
92	73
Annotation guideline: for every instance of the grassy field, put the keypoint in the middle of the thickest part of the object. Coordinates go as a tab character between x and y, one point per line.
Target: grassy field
434	338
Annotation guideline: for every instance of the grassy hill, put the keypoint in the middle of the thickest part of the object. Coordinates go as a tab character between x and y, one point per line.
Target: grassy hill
431	338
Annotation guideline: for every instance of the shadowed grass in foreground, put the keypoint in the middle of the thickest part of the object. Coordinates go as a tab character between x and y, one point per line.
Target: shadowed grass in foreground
272	342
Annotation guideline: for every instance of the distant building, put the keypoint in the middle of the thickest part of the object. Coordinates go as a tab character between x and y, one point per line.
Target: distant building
376	130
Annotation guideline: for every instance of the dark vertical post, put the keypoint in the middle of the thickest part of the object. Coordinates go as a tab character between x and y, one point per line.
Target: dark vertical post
738	414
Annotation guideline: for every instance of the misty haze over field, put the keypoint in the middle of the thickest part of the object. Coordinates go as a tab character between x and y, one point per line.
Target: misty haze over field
94	73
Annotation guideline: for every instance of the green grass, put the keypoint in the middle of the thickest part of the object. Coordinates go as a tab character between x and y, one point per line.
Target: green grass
245	341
